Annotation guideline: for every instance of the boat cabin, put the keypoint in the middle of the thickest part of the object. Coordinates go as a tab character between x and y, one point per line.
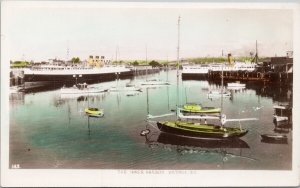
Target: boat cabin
82	86
282	110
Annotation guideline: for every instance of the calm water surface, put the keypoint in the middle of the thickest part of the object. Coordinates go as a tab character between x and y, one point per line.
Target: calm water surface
48	130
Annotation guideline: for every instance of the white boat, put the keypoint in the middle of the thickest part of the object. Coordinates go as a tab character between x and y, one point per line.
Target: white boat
236	85
217	94
81	89
155	81
128	87
281	113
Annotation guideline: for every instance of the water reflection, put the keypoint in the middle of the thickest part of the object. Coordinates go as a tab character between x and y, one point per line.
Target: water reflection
172	139
226	148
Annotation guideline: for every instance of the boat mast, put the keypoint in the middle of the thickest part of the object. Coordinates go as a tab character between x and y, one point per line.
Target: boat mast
222	85
146	54
117	49
68	51
177	67
256	55
178	40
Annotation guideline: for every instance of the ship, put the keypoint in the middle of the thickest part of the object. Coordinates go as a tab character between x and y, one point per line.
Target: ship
204	69
95	71
55	73
190	71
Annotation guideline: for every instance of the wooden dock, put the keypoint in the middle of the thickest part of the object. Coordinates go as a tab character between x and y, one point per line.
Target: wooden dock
282	77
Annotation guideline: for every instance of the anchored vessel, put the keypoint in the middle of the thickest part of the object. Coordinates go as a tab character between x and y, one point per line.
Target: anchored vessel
281	113
200	130
236	85
197	108
272	138
94	112
65	74
81	89
201	70
155	82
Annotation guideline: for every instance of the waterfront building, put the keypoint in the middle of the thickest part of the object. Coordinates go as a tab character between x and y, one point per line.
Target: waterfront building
97	61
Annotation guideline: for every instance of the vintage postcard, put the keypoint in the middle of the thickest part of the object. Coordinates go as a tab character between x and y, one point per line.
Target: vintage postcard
149	94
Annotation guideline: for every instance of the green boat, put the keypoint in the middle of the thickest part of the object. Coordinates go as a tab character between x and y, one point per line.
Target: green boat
200	130
197	108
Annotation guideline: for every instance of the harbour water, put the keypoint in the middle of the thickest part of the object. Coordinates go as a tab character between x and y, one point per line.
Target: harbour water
48	130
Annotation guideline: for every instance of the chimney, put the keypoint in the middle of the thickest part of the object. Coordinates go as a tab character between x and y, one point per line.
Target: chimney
230	59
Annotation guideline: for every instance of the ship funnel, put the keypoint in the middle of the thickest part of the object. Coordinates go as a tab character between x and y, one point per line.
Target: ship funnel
230	61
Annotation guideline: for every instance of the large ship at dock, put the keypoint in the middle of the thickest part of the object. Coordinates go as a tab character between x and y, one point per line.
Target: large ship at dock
94	71
204	69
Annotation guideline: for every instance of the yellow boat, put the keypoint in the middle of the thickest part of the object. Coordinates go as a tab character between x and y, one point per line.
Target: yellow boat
95	112
197	108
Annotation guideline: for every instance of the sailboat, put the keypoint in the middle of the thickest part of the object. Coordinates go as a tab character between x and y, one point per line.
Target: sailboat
93	112
195	129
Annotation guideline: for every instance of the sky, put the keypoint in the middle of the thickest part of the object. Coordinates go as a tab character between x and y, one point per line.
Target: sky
43	32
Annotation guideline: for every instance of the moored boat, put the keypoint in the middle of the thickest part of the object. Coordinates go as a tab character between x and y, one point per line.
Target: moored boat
95	112
236	85
155	82
218	94
81	89
274	138
192	129
282	113
197	108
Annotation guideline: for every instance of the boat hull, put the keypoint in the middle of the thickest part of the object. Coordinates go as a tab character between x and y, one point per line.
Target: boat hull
89	78
192	131
82	92
198	109
173	139
280	139
98	113
280	118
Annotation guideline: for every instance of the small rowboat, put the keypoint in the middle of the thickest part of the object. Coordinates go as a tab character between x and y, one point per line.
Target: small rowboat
197	108
95	112
274	138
